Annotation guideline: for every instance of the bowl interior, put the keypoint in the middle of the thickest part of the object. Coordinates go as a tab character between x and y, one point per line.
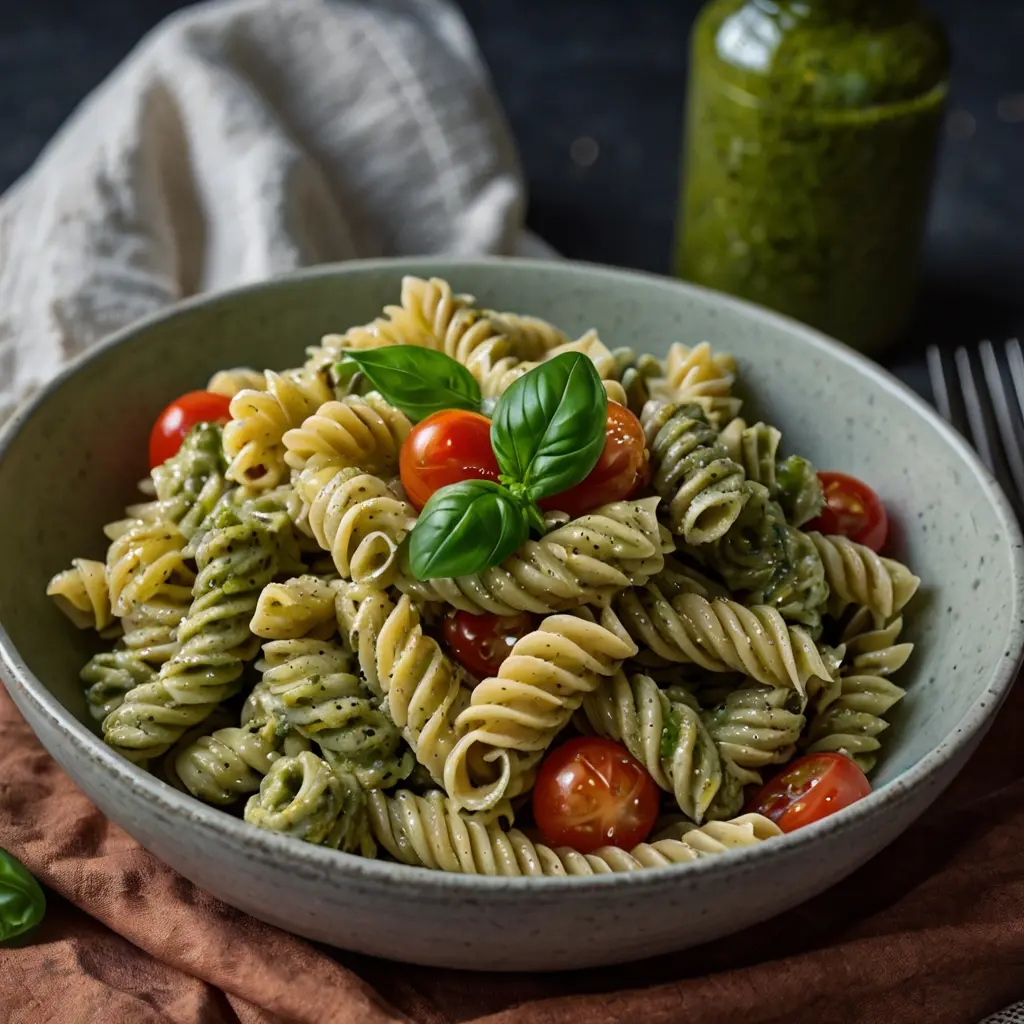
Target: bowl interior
74	462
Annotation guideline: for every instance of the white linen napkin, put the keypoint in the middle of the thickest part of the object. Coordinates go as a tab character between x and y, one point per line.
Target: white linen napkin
242	139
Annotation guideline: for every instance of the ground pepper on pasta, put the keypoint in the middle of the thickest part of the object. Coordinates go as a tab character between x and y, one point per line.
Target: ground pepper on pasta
704	624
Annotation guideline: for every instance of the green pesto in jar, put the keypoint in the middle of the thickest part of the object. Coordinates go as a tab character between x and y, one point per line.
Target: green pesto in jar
811	137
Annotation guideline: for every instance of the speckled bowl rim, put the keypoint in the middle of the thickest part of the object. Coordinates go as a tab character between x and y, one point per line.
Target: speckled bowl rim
315	863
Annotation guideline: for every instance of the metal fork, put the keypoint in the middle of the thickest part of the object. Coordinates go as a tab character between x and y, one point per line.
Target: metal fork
987	408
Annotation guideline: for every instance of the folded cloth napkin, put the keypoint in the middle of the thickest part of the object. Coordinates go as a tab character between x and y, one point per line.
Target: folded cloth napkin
248	138
245	139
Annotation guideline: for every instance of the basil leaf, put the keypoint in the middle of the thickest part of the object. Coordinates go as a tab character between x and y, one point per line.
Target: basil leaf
419	381
22	903
465	528
549	427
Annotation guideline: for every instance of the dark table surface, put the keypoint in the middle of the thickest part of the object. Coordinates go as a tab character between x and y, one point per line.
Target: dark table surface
594	92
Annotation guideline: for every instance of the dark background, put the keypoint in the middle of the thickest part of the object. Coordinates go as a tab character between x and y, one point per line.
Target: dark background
594	92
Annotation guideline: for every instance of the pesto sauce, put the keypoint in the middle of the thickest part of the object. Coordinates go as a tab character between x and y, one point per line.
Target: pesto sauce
811	137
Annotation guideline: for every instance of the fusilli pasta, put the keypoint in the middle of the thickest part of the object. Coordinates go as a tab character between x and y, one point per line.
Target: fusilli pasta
584	561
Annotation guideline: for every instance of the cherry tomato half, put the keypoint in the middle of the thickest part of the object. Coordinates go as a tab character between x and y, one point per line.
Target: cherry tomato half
621	471
446	448
174	423
591	792
852	509
809	789
482	642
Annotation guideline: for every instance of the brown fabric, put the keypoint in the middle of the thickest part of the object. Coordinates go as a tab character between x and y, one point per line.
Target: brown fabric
932	931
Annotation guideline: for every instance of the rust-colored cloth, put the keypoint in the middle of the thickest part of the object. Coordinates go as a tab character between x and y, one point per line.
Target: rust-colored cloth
932	930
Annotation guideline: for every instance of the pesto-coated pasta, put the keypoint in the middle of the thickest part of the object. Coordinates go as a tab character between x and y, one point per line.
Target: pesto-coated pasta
238	555
722	636
857	576
666	736
682	636
430	831
302	796
584	561
418	681
756	726
307	687
295	608
703	489
852	723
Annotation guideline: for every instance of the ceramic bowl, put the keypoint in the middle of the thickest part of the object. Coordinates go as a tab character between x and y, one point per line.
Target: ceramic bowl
70	461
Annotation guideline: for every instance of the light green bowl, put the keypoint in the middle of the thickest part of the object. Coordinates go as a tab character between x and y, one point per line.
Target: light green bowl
70	462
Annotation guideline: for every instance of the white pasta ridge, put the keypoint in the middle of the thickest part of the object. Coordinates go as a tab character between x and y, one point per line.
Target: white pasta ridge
285	624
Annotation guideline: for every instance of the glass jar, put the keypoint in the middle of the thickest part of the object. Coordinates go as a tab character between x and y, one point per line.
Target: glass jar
812	130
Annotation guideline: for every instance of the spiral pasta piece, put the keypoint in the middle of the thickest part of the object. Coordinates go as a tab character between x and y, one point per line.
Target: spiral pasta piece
307	688
703	488
81	593
231	762
516	714
239	378
852	723
294	608
418	681
144	561
430	831
756	726
585	561
590	345
531	337
791	482
666	736
302	796
185	488
699	376
356	517
721	635
857	576
365	432
236	558
259	420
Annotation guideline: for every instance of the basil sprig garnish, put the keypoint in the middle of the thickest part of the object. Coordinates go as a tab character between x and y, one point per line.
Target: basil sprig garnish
419	381
548	431
22	903
464	528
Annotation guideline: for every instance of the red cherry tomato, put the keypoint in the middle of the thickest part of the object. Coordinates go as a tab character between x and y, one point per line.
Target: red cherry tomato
446	448
174	423
591	792
483	642
852	509
809	789
622	470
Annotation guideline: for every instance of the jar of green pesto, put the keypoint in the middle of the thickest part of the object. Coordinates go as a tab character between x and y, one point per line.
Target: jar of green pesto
812	130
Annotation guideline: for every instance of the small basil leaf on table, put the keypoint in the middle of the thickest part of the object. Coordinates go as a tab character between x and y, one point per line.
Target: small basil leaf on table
548	429
465	528
419	381
22	903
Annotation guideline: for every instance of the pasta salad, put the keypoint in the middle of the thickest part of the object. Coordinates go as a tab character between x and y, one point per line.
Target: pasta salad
468	594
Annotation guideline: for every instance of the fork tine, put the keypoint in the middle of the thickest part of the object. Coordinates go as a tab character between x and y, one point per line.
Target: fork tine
973	407
1008	432
940	388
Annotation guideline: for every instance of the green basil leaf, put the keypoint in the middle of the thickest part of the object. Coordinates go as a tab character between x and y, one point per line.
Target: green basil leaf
419	381
465	528
22	903
548	429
